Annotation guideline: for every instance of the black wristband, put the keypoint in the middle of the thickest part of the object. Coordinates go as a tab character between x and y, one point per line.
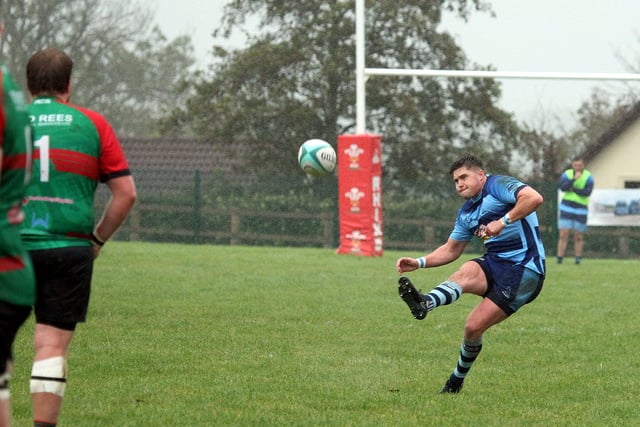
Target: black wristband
95	240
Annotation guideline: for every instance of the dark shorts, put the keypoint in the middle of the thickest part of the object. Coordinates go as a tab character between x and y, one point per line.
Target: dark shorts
11	318
63	285
510	286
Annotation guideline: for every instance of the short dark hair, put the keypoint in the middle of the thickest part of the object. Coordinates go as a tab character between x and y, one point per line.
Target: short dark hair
468	161
49	72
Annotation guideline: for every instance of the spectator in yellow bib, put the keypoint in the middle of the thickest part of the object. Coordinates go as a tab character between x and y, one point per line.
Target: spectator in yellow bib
577	184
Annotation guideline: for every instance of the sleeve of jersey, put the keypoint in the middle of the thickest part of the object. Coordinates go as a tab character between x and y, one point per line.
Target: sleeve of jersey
565	182
505	188
2	119
112	162
460	232
588	188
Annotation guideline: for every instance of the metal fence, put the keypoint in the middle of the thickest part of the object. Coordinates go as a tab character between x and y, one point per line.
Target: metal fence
201	208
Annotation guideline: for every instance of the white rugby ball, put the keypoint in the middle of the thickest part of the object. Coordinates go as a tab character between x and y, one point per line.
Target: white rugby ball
317	157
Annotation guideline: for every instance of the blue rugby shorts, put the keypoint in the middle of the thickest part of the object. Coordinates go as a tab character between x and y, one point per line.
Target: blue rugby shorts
572	224
510	286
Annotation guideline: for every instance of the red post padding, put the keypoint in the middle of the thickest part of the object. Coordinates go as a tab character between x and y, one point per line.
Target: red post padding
360	194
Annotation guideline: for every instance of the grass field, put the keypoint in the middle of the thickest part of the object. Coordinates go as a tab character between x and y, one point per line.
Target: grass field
184	335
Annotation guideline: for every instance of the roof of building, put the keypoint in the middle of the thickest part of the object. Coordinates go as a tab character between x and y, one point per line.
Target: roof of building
612	133
162	154
166	167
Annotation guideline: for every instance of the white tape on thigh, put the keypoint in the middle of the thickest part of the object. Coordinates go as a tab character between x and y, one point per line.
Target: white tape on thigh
4	386
49	376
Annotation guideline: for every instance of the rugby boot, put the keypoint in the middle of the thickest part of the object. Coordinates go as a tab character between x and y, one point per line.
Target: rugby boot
417	303
453	385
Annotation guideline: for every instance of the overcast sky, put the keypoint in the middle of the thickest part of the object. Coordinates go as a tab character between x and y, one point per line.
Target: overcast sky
525	35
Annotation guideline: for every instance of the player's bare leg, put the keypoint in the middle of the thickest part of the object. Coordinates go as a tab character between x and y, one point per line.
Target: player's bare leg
49	372
563	239
578	245
485	315
5	405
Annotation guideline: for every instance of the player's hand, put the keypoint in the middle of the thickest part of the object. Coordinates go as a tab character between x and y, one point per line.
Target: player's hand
96	250
494	228
406	264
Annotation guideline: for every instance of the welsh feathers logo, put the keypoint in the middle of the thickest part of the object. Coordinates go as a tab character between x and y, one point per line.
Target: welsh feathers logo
356	238
354	152
354	195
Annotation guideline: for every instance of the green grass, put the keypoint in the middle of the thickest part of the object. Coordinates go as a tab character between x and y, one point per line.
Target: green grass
183	335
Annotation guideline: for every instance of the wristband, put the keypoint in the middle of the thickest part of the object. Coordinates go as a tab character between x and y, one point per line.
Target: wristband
506	220
95	239
422	262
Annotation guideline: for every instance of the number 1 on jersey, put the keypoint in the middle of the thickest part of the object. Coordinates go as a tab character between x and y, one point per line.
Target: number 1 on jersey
43	144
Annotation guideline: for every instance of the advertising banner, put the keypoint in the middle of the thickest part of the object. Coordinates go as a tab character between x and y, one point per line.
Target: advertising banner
609	207
360	194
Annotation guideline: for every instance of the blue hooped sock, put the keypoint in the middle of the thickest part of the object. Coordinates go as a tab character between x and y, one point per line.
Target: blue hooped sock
443	294
469	351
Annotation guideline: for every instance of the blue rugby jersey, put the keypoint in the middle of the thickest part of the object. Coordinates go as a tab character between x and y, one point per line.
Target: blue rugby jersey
519	242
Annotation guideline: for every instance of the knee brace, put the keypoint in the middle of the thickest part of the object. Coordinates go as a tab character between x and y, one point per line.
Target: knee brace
49	376
4	385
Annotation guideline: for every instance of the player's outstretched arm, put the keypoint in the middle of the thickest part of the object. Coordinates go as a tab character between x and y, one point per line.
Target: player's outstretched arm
444	254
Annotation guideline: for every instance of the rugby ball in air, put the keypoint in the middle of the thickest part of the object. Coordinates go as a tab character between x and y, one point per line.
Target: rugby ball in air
317	157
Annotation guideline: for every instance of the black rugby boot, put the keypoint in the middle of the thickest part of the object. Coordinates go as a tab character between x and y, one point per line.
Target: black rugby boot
417	303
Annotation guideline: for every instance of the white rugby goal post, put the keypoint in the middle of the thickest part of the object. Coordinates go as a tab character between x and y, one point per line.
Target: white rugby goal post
362	72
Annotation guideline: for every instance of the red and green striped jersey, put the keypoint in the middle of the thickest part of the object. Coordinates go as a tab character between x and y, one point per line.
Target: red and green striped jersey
17	282
16	148
74	149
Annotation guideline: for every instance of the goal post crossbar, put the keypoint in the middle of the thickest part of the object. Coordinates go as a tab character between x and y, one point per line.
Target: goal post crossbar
362	72
540	75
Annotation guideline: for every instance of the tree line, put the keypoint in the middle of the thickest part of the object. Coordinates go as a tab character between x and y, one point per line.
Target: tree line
295	80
